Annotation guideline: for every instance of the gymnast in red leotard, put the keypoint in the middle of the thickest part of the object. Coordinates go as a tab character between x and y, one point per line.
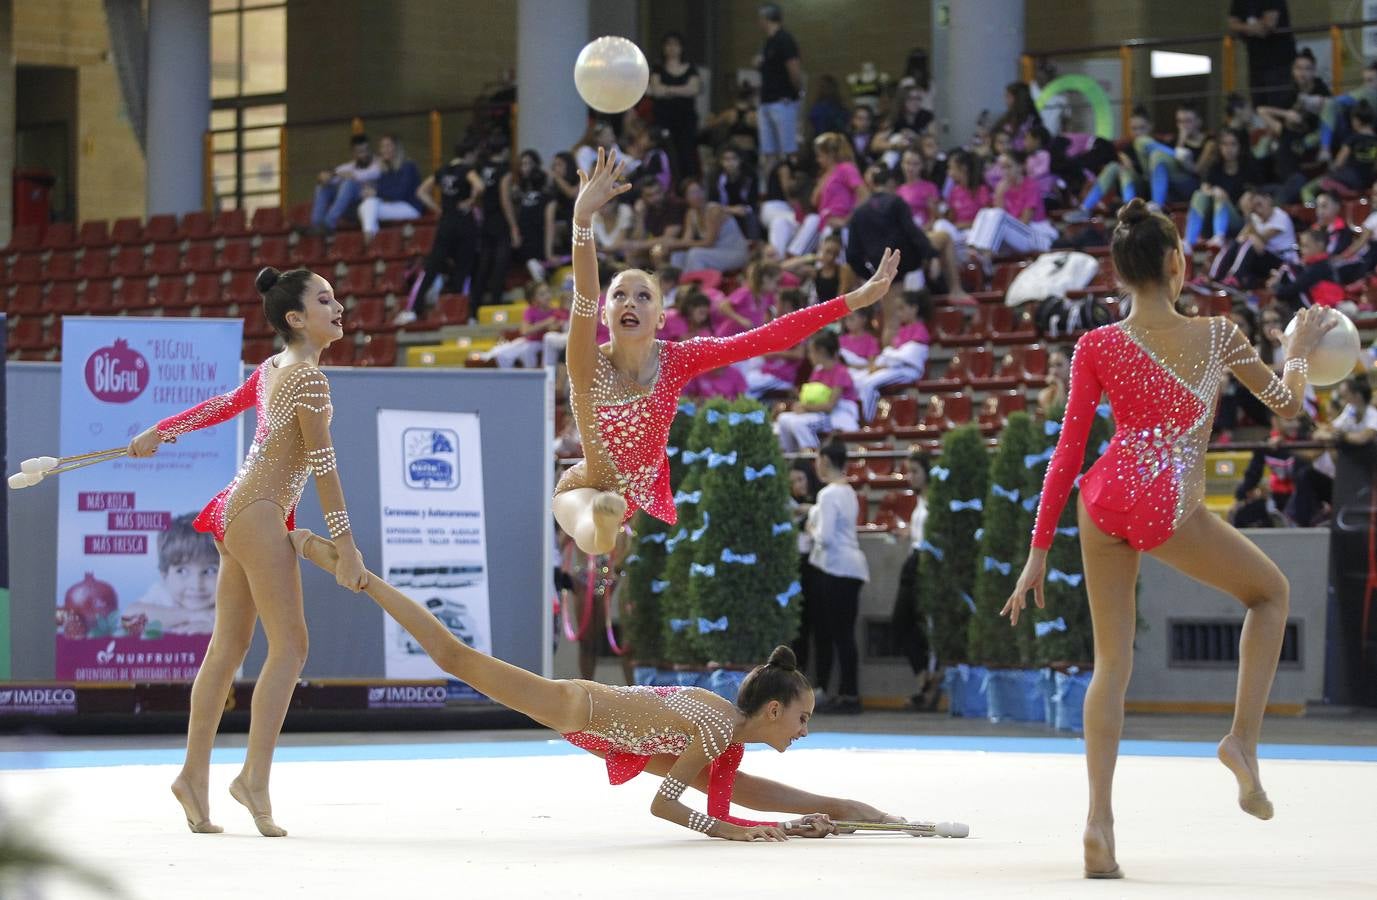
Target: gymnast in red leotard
624	394
689	736
1161	372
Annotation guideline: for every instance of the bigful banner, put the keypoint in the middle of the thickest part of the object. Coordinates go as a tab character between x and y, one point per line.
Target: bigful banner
135	582
434	545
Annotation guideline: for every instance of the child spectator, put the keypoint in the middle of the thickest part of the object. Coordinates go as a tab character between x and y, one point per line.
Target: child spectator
779	371
904	360
862	133
1332	115
182	600
921	195
859	345
539	318
965	195
1038	168
1017	221
821	272
1353	166
1309	282
1020	115
748	306
1266	241
737	191
826	403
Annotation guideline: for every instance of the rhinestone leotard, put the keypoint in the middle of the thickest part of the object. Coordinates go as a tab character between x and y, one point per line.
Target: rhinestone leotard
291	442
1162	388
629	725
625	425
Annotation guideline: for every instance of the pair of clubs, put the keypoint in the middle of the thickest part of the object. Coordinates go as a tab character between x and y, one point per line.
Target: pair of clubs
36	468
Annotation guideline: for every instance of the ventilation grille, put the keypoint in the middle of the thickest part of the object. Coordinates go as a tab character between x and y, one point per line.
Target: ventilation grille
1215	643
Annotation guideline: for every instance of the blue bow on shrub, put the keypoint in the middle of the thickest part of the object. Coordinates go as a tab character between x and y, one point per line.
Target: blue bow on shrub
940	473
677	625
969	602
1069	531
687	408
1032	459
691	456
746	559
781	528
707	625
979	533
671	543
1042	629
633	558
718	459
958	505
1102	410
658	538
792	590
696	569
753	474
1001	491
686	497
1059	575
928	546
1104	445
671	451
713	416
993	564
736	418
701	530
1032	502
658	587
1050	428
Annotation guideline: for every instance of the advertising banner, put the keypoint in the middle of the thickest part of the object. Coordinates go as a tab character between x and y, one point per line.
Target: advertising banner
434	548
4	534
135	582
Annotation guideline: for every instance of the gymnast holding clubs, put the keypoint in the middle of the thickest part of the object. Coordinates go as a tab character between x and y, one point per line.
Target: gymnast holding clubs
689	736
624	393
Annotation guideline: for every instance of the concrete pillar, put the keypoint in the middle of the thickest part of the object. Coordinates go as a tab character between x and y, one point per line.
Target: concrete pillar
8	110
549	36
976	49
178	103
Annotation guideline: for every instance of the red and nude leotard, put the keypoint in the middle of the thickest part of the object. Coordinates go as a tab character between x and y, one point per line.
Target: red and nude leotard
291	442
1162	386
625	426
629	725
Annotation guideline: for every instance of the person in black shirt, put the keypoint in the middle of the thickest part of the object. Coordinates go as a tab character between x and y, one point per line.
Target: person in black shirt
737	189
675	86
1216	202
498	231
882	221
781	77
529	187
559	212
1355	161
455	247
1271	48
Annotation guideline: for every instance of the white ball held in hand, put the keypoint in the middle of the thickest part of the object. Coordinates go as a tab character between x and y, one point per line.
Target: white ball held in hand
611	74
1337	352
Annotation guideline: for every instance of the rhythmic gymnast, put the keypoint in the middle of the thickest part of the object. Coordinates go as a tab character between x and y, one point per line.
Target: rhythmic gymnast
250	518
624	393
1162	372
689	736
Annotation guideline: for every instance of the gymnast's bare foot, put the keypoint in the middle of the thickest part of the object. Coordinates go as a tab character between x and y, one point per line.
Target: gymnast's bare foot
259	806
1252	799
197	816
314	548
608	511
1099	852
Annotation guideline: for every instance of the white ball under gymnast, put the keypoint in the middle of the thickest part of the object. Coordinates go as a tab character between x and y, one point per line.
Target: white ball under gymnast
1337	353
611	74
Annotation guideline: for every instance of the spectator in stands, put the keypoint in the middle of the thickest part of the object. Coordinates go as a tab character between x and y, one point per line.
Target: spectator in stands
921	195
736	126
1174	169
786	204
1293	149
709	238
559	211
1264	243
905	126
338	192
779	370
999	143
884	220
1308	91
1057	108
1309	282
1256	506
1355	425
1234	398
1329	219
454	250
598	135
669	278
1053	394
1360	256
861	132
965	195
803	494
841	573
675	87
1020	114
822	272
1352	168
1038	167
934	159
539	318
392	197
1216	201
828	112
648	150
691	316
839	187
749	305
908	619
738	190
1264	26
529	189
781	83
613	227
498	232
658	217
1124	175
859	345
1333	117
906	357
826	403
1017	220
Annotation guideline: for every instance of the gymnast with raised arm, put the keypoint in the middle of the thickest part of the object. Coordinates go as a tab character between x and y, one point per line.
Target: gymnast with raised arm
1145	494
259	576
689	736
624	393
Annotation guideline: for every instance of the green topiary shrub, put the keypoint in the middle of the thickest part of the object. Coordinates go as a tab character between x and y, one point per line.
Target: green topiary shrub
947	567
675	608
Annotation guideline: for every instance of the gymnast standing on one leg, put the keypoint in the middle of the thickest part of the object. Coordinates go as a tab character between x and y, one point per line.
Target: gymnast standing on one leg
259	577
690	736
1162	372
624	393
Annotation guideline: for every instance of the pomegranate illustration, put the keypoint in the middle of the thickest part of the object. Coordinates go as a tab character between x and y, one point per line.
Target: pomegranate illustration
91	600
73	626
116	374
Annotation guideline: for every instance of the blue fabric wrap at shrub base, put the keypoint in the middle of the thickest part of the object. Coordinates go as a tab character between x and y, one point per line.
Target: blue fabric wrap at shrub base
965	688
1069	700
725	683
1015	695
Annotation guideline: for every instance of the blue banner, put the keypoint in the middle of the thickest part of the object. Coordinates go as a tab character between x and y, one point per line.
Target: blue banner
135	582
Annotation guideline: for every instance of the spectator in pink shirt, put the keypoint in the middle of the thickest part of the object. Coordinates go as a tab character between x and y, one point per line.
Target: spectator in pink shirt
904	360
540	317
1017	222
964	194
859	345
748	306
798	429
1038	168
921	195
778	371
839	190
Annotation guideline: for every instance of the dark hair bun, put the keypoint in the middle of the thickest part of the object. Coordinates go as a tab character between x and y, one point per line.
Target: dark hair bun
1134	211
783	658
267	277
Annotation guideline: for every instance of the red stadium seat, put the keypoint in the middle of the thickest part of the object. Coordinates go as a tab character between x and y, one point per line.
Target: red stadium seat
271	251
393	279
453	308
269	220
62	298
954	329
199	257
95	263
161	228
1005	273
258	349
366	313
1011	326
194	226
94	234
422	236
958	408
863	512
166	259
128	261
27	267
1011	402
1008	372
896	507
127	231
388	244
952	378
255	326
61	266
132	295
379	350
356	281
24	237
979	364
25	333
206	292
97	297
299	216
241	289
171	293
230	223
237	254
340	353
309	252
59	236
347	246
1035	365
27	298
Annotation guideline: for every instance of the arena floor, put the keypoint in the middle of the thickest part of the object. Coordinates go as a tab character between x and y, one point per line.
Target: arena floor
513	815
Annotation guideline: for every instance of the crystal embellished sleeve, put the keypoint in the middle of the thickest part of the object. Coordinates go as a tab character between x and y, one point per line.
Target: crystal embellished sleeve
1084	396
213	411
1282	395
706	354
308	398
720	782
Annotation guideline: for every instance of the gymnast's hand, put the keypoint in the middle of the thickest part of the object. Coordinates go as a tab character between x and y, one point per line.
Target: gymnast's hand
753	833
146	443
879	283
598	188
816	825
350	572
1034	571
